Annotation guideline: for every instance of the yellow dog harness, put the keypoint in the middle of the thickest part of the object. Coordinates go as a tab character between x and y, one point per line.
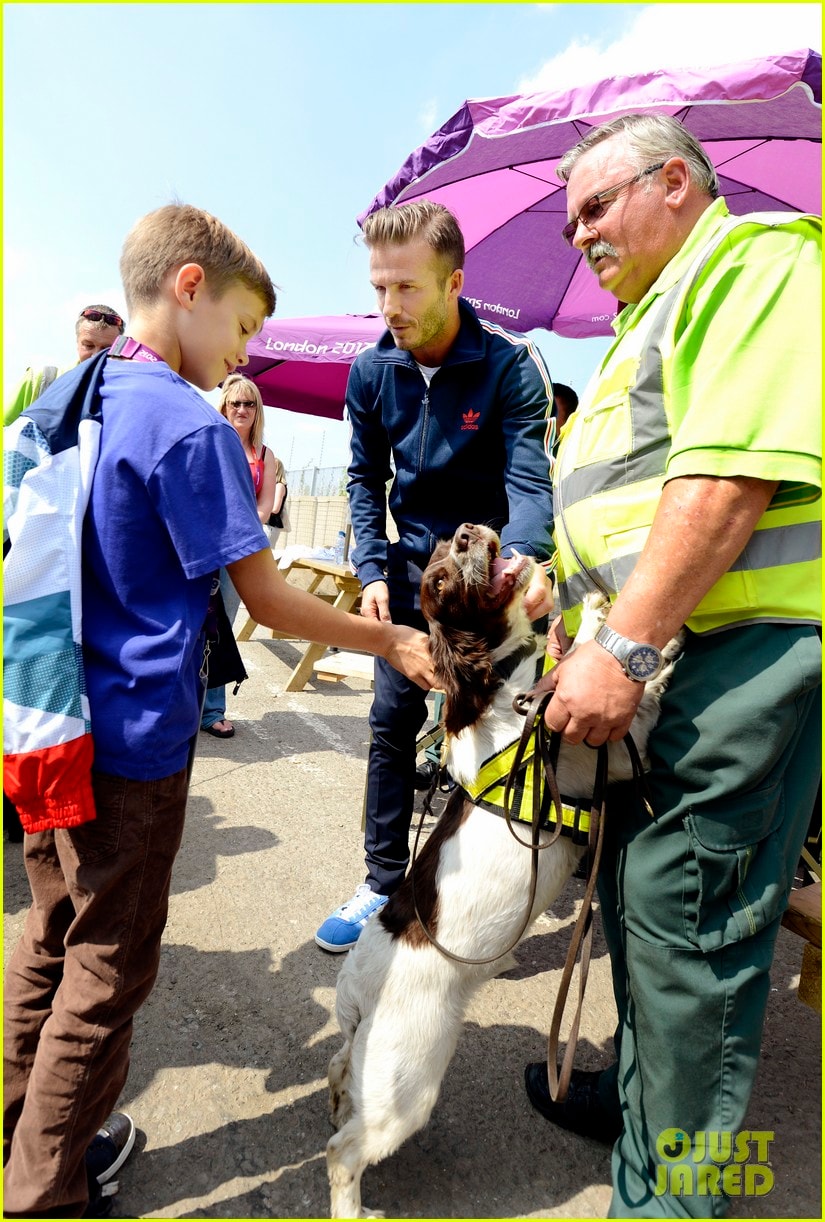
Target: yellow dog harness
488	788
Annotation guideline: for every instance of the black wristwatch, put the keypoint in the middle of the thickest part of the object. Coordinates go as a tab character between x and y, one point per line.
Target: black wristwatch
640	662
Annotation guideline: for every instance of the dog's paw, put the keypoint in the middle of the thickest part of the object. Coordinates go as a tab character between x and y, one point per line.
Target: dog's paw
674	647
595	607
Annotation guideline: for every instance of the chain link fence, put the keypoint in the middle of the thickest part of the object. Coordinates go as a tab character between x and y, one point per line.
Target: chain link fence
317	481
317	508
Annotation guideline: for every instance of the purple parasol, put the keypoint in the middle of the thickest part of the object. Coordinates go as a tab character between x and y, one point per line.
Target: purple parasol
302	364
493	164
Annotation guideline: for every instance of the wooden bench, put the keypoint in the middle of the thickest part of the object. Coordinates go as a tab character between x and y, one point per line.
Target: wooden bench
337	667
347	592
804	917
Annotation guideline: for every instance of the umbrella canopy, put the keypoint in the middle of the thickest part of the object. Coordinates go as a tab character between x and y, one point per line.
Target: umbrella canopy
302	364
493	165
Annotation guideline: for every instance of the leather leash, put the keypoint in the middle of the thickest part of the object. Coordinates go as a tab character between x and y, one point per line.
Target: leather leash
542	759
582	937
545	760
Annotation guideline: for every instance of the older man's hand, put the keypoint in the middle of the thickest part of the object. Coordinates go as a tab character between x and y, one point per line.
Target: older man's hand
594	700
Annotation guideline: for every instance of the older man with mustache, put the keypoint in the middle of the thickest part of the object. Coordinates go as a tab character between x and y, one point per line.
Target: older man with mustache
688	490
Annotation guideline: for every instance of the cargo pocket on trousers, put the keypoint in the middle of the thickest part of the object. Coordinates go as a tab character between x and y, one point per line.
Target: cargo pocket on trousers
734	881
100	838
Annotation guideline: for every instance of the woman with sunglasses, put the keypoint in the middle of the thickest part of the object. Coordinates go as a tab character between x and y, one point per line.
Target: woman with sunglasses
241	404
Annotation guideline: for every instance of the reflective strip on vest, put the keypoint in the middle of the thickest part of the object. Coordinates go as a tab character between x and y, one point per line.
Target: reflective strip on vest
624	490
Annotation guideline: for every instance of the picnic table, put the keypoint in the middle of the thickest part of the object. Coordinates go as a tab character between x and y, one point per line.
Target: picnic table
347	589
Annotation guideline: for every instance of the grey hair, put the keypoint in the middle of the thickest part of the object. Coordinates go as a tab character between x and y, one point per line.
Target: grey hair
650	138
101	324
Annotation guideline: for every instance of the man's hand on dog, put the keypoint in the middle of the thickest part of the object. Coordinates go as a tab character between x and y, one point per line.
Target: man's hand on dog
538	597
594	701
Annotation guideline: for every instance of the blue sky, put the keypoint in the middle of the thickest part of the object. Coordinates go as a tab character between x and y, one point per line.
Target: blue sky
284	120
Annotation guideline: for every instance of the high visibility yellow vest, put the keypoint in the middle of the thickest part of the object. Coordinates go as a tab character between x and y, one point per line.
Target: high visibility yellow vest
611	467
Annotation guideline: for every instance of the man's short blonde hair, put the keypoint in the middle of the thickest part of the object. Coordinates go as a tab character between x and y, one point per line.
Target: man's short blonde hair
169	237
398	224
237	386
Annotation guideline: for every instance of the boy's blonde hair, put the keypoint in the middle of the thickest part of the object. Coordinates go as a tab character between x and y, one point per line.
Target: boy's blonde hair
167	238
237	386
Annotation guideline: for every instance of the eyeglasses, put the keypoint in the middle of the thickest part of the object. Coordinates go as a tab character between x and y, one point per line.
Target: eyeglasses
114	320
594	208
242	403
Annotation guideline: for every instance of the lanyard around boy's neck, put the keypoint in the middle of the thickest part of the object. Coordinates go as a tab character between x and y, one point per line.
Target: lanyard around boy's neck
129	349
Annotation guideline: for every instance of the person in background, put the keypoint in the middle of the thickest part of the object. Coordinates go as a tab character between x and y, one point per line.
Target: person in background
683	495
456	412
278	520
96	328
241	405
565	401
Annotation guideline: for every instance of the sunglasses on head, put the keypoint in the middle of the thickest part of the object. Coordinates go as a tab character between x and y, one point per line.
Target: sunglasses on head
113	320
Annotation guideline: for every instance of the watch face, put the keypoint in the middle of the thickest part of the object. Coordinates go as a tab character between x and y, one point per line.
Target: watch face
643	662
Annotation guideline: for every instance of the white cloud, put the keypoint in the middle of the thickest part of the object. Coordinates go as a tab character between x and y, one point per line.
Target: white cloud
428	115
681	35
28	275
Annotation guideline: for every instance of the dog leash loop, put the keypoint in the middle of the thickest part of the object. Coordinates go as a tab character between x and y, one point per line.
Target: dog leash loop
582	938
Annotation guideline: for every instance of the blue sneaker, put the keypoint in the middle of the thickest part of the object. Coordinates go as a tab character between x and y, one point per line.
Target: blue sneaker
342	930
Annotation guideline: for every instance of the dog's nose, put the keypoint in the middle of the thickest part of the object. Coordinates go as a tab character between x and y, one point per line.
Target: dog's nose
464	536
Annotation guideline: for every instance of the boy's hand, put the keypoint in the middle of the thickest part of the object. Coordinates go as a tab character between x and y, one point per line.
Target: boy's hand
409	651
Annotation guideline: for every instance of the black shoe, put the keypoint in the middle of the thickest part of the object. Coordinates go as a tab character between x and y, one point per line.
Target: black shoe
108	1151
425	774
582	1112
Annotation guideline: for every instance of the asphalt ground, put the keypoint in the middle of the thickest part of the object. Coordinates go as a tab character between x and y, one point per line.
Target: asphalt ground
228	1077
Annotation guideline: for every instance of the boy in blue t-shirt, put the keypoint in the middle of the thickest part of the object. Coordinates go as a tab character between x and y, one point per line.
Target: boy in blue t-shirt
168	466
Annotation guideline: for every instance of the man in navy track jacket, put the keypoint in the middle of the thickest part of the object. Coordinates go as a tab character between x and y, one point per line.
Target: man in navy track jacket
455	411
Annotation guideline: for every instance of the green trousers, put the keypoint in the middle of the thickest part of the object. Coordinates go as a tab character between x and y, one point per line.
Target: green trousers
691	904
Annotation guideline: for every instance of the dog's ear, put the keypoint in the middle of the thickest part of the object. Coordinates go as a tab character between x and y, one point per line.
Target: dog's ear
441	550
464	672
435	576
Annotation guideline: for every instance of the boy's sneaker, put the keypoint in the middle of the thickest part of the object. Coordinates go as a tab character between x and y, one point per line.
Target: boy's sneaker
343	928
106	1154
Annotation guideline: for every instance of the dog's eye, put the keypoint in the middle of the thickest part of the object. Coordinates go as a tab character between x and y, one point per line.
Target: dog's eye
440	584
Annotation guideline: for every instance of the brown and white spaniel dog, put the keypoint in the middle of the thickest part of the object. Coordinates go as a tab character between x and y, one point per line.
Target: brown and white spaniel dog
400	1002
